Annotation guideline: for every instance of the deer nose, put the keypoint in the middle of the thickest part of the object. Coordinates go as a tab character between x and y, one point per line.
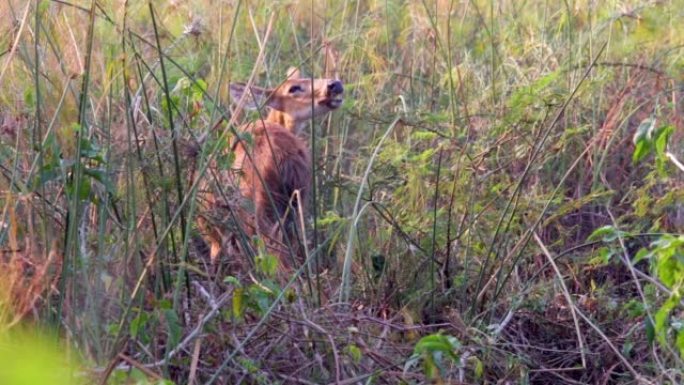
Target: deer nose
335	87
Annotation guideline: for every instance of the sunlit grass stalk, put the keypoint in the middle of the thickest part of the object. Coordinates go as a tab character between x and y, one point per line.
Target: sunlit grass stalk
71	242
38	138
181	276
134	138
97	263
348	253
168	254
314	185
433	246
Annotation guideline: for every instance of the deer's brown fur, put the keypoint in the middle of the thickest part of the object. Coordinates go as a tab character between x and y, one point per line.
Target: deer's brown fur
276	164
281	161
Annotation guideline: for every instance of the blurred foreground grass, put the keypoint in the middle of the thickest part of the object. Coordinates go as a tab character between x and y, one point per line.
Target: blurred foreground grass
495	173
29	357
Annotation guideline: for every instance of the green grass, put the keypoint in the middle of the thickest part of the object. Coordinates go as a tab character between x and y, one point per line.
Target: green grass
479	147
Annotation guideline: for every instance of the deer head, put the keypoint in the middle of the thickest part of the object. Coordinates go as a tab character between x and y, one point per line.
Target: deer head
294	101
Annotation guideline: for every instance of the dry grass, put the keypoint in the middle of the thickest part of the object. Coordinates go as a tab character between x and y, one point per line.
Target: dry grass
512	143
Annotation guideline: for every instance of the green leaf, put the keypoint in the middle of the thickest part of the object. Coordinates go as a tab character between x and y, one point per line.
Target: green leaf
438	343
165	304
198	90
479	368
330	218
354	352
661	137
267	264
423	135
91	151
260	297
634	308
83	189
173	327
238	303
661	317
29	97
182	85
138	323
680	342
641	149
660	143
650	330
645	131
231	280
641	255
667	268
606	234
100	175
603	257
643	142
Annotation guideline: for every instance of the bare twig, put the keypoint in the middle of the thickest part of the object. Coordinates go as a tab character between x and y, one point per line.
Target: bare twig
566	294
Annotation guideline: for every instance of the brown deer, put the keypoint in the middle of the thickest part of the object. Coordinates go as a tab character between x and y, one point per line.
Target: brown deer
274	171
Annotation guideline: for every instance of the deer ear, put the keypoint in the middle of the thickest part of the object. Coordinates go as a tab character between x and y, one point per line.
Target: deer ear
293	73
254	96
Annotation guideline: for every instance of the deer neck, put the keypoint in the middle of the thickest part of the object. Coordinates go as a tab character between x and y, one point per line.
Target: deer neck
285	120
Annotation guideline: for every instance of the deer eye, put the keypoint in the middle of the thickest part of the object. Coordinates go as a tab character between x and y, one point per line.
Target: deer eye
295	88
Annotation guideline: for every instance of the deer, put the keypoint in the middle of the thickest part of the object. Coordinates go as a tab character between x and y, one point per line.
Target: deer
274	170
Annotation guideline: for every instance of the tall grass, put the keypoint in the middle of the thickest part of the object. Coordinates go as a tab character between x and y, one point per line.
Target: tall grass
479	146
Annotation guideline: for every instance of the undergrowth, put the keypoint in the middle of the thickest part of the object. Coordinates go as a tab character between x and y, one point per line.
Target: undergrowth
498	200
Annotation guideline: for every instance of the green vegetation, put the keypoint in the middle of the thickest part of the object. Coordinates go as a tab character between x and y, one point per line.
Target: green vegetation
500	198
30	358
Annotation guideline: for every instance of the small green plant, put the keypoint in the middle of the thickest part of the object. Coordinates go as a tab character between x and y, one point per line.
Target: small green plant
436	352
651	139
257	297
666	254
608	235
667	260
